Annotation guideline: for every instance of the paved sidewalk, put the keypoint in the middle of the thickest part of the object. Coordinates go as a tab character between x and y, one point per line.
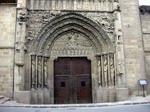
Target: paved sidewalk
131	101
118	108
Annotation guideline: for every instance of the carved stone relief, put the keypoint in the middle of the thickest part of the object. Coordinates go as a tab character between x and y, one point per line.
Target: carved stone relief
38	19
72	44
106	70
105	20
39	72
85	5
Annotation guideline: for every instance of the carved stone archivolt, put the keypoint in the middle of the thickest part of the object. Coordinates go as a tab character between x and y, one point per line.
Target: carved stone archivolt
71	22
105	20
69	34
38	20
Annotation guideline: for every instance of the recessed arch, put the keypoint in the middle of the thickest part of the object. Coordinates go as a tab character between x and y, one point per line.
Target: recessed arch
45	49
48	46
68	22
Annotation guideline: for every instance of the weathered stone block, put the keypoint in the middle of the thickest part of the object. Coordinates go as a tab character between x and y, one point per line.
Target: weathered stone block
100	94
34	95
112	94
106	95
122	94
46	96
39	96
22	96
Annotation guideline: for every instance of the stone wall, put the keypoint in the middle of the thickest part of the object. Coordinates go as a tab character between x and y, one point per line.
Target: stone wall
7	36
133	46
145	20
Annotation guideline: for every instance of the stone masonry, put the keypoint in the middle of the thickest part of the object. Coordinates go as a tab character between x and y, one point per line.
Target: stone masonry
7	37
145	17
133	46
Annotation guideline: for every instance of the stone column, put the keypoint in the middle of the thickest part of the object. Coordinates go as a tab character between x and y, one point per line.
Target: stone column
119	51
99	70
39	72
20	46
121	90
33	72
45	72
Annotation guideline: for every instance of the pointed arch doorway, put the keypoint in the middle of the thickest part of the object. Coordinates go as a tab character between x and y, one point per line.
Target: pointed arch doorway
71	38
72	80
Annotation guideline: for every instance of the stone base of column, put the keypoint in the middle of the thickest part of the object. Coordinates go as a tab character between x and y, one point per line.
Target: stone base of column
22	97
122	94
106	95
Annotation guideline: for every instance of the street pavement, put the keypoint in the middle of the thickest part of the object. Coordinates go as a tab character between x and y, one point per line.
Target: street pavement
116	108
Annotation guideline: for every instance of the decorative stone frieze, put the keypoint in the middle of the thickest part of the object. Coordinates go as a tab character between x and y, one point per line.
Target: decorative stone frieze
84	5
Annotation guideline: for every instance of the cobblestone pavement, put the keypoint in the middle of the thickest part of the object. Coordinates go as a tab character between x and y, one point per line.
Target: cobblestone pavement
118	108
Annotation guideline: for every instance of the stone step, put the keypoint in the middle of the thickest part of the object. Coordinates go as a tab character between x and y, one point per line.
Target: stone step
3	99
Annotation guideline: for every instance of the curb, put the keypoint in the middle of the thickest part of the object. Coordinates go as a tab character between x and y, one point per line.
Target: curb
74	105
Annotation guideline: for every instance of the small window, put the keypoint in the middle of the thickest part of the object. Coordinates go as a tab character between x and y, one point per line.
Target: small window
62	84
82	83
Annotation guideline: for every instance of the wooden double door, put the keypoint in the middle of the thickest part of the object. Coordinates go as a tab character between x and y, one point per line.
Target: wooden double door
72	81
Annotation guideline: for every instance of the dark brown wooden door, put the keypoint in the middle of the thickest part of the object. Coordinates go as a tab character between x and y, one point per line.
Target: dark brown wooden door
72	80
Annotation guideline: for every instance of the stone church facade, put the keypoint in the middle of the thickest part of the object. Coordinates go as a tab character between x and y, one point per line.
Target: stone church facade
73	51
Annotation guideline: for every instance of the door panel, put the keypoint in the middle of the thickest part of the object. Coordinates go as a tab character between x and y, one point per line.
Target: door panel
72	80
62	90
83	93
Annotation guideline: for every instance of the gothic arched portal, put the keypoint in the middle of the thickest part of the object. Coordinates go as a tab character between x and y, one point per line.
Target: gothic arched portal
70	36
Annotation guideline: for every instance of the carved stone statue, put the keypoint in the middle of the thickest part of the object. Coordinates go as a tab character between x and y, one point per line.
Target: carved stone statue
99	72
112	70
33	76
45	74
105	70
72	43
39	72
